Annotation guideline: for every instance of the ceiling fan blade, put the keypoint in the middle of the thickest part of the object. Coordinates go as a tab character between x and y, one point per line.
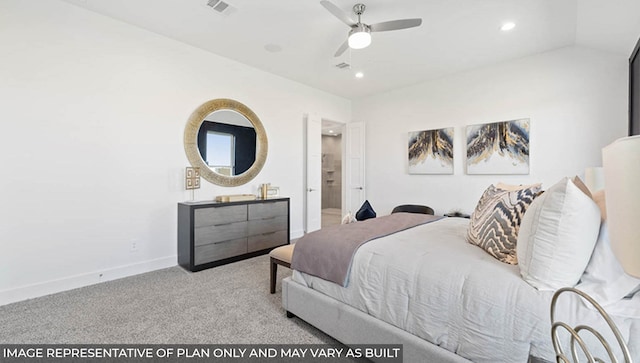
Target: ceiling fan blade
395	25
338	13
342	48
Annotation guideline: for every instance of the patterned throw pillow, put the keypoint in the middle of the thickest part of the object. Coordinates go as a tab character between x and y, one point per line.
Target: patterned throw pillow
496	220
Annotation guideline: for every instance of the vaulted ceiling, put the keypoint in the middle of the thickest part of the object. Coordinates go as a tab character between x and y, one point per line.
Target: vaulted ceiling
297	39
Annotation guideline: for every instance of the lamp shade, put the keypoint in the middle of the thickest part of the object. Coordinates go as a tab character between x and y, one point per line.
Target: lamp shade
621	162
359	37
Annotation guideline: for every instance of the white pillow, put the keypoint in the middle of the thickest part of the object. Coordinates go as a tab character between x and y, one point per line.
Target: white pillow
557	236
348	218
604	279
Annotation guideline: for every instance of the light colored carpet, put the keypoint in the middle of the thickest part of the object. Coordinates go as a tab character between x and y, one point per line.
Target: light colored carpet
226	304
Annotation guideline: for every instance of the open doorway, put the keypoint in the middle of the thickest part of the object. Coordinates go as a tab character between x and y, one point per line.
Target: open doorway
332	176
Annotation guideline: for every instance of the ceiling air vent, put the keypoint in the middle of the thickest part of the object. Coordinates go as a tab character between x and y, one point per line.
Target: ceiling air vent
343	65
220	6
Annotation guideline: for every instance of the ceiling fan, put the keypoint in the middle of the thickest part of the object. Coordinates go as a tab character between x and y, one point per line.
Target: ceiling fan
360	33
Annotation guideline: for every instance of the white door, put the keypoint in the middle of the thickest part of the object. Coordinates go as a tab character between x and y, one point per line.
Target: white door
313	179
356	192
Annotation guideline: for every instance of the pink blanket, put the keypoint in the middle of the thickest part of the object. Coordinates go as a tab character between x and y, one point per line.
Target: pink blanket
327	253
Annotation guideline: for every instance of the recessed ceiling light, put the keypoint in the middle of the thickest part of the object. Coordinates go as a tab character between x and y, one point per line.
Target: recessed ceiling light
331	131
359	75
507	26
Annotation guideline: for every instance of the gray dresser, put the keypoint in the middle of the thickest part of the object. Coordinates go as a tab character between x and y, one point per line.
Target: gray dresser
212	234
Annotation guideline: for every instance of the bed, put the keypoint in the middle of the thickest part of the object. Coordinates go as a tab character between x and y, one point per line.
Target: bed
444	299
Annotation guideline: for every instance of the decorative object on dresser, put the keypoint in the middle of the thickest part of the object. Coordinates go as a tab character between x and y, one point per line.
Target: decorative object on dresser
273	192
192	180
263	190
268	191
234	198
431	151
212	234
498	148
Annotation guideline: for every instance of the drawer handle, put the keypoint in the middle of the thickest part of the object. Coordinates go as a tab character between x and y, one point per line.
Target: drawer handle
269	233
221	242
222	224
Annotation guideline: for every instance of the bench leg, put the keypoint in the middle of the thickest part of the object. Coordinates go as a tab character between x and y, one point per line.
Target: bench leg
274	271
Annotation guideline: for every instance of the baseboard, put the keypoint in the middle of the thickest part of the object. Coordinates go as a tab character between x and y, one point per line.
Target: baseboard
77	281
297	234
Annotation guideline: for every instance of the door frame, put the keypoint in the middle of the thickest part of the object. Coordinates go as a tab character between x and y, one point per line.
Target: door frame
346	195
316	186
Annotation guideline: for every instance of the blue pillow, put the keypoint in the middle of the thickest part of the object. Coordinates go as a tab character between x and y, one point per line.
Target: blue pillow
365	212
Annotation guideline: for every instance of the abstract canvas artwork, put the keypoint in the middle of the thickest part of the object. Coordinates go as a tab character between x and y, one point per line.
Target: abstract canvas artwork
431	151
498	148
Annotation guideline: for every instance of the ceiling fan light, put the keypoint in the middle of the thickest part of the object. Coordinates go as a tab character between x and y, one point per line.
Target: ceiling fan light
359	37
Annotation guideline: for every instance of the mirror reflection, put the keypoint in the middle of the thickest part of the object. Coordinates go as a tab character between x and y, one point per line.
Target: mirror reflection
227	142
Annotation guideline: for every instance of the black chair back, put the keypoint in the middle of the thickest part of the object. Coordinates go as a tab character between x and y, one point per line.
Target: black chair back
413	208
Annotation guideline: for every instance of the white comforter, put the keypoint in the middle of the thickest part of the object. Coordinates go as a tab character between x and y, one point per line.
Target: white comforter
430	282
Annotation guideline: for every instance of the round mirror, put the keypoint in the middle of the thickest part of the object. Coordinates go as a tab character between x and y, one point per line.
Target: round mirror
227	141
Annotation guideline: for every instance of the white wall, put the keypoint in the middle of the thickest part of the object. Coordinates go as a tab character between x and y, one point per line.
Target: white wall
576	99
93	114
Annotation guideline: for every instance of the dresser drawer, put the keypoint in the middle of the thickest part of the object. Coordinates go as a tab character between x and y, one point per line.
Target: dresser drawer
219	215
224	232
261	226
219	250
212	233
267	240
267	210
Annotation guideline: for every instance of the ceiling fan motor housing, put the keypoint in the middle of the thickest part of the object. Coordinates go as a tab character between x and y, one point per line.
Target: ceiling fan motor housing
359	9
